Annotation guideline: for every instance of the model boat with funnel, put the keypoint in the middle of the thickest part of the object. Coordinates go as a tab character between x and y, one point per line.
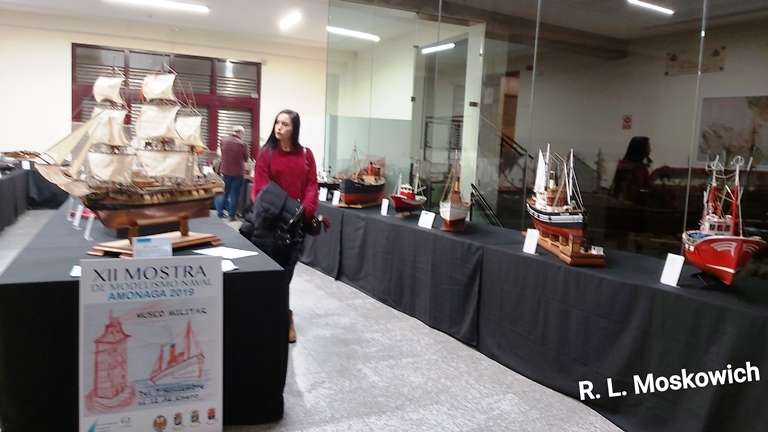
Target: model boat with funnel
365	185
407	198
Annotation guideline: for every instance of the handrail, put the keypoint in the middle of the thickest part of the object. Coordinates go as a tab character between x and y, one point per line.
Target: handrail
490	214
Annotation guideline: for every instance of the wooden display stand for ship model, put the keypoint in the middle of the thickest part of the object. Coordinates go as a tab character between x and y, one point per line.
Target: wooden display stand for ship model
558	212
151	181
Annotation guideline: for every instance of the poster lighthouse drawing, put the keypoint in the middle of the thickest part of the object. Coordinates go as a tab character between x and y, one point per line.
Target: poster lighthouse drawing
150	344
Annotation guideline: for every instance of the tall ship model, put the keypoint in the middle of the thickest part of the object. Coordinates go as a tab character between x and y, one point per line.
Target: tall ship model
719	246
453	208
365	185
172	365
407	198
154	176
558	213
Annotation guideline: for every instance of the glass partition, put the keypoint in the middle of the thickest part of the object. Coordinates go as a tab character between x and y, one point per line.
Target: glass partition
639	94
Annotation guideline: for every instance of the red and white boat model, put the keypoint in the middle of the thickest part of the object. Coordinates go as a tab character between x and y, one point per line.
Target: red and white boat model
406	197
719	246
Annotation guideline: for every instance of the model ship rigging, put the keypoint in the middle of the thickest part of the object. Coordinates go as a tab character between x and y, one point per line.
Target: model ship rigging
153	177
558	212
719	246
365	185
453	208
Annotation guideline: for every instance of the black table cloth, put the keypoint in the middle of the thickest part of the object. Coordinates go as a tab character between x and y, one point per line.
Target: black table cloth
429	274
323	252
13	196
39	331
559	325
43	194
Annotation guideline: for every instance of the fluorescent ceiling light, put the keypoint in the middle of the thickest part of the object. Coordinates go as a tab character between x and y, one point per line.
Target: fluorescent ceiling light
352	33
652	7
165	4
289	21
437	48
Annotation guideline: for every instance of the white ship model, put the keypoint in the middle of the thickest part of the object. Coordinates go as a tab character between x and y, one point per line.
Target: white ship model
453	208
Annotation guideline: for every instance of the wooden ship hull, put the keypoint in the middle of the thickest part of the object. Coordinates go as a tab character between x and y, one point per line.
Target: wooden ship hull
721	256
454	215
357	193
405	204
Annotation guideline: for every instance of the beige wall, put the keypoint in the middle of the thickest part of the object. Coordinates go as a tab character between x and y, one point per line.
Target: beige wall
36	72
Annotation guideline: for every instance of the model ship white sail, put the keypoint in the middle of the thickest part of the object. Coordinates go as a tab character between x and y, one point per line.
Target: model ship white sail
188	129
164	163
107	89
158	86
157	121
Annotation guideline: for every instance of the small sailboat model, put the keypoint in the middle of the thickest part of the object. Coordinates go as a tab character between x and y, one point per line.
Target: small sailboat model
153	177
453	208
364	186
407	198
558	212
172	366
326	180
719	246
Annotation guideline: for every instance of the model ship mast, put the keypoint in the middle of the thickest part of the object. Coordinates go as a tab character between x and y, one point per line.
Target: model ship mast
453	208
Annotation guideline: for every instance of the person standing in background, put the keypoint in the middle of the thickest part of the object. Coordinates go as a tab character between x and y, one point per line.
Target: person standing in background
234	155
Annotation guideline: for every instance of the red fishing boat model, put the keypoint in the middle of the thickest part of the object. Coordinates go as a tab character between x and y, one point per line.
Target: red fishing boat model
719	247
406	197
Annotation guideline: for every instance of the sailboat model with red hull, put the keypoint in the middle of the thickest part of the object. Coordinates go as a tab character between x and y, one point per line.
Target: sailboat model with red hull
719	247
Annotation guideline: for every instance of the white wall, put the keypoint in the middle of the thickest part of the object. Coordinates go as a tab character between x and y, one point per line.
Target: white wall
36	76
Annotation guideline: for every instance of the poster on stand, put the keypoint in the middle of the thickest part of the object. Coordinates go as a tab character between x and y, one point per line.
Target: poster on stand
150	356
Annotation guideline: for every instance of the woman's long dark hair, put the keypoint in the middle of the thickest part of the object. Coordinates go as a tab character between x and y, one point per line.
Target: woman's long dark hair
272	141
639	150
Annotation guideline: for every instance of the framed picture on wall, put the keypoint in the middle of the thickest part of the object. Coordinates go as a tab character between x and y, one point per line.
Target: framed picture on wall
734	126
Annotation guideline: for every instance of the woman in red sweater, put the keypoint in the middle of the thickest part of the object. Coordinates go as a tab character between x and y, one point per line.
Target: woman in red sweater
286	162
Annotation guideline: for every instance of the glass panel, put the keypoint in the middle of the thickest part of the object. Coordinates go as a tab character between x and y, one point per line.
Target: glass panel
606	75
90	63
733	126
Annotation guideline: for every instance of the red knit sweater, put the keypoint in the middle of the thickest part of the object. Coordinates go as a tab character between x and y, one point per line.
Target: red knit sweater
290	170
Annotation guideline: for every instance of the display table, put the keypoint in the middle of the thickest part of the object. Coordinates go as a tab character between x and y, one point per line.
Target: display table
13	196
42	194
39	331
323	252
559	325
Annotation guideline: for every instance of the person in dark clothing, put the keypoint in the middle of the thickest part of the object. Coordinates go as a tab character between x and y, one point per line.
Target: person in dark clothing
286	162
632	179
234	155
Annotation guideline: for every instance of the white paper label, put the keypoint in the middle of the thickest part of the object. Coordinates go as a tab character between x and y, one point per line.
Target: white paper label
76	271
322	195
78	216
672	269
26	165
336	198
531	241
426	219
384	207
152	247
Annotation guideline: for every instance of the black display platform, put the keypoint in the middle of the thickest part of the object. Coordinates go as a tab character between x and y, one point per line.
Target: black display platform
39	331
42	194
559	325
13	196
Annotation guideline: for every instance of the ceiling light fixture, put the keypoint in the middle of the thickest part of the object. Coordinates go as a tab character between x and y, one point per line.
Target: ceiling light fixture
165	4
291	20
352	33
436	48
652	7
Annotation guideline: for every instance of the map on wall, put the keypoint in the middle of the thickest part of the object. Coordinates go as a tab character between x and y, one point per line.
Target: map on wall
734	126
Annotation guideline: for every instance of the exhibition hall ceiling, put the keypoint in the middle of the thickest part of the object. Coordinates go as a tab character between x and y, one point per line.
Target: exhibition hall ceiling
254	18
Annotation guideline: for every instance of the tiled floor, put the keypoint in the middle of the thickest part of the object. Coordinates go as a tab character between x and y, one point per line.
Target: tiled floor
361	366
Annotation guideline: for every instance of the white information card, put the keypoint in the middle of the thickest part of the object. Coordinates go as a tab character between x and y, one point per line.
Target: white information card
322	195
336	198
384	207
531	241
152	247
672	269
426	219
